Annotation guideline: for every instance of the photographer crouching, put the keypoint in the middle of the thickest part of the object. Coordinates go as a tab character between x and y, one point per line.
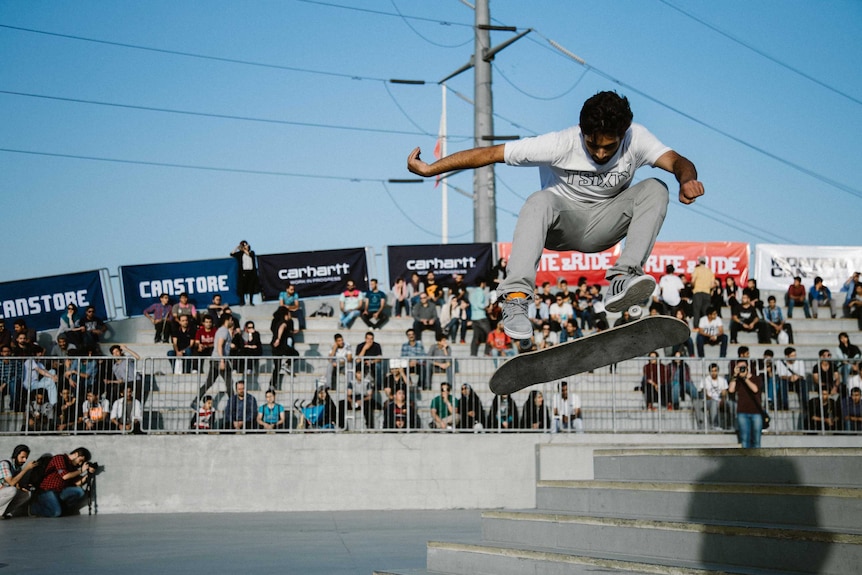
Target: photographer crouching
62	487
748	388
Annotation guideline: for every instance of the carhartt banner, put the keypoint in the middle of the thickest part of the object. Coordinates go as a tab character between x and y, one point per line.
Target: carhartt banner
201	279
445	260
319	273
724	258
41	301
776	265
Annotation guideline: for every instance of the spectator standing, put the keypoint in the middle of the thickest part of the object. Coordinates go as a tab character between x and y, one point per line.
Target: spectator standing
748	388
702	280
248	283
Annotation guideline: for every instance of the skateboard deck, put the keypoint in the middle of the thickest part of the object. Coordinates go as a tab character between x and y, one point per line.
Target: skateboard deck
634	339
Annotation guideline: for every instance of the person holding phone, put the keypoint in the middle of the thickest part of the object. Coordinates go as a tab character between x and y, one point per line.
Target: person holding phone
748	388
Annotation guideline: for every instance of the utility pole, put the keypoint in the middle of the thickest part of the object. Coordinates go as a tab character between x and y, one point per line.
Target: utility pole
484	190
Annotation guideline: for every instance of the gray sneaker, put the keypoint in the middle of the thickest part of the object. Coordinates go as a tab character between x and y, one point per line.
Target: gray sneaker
516	324
627	290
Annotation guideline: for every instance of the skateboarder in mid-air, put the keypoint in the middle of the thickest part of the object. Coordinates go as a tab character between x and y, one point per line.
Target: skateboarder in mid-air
587	202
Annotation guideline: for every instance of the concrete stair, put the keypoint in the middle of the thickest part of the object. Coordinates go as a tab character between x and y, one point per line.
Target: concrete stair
679	511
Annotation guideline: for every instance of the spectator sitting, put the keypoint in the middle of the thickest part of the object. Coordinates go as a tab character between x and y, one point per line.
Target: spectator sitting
123	372
680	376
341	358
37	377
535	414
5	334
241	409
95	413
402	299
282	345
413	349
374	307
94	328
66	411
249	346
503	413
216	307
368	358
471	414
62	347
289	300
713	389
127	413
204	417
823	413
547	338
425	317
161	316
710	331
10	377
656	383
40	415
182	338
499	343
851	411
70	325
443	408
400	414
846	351
819	295
796	296
321	413
441	359
745	318
186	308
572	331
270	415
775	324
848	289
854	306
791	374
13	495
567	410
20	327
61	488
358	403
753	294
826	373
433	289
350	303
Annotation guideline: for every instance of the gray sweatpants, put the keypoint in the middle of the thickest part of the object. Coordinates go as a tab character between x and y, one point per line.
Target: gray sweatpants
551	221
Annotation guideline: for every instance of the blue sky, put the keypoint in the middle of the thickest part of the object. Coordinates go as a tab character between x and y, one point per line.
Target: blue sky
290	130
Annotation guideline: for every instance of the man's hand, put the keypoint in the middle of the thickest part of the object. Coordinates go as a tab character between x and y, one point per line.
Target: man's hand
416	165
690	191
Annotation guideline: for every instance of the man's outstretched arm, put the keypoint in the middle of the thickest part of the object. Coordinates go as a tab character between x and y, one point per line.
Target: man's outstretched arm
686	174
464	160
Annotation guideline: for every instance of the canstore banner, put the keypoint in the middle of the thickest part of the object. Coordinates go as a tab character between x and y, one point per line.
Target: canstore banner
41	301
776	265
201	279
319	273
726	259
445	260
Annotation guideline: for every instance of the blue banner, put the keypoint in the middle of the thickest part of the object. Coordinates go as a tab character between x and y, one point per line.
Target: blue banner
201	280
41	301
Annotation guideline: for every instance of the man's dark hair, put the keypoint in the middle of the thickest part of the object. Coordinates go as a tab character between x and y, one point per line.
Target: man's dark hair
20	323
606	113
83	452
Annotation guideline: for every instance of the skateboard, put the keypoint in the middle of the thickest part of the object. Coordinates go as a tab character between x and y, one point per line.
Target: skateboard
633	339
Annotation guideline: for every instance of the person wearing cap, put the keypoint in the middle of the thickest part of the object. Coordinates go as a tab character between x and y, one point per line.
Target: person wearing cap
702	280
12	472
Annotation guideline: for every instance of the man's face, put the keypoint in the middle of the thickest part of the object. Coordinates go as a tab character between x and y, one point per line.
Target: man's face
351	286
40	399
22	458
77	459
411	335
856	395
339	342
772	304
129	394
712	316
240	389
369	338
91	398
64	393
291	289
90	312
184	321
62	342
6	351
602	147
184	299
208	323
164	299
373	285
564	391
713	372
791	356
423	299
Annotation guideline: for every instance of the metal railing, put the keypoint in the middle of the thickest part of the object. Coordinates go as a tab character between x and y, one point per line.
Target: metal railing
319	394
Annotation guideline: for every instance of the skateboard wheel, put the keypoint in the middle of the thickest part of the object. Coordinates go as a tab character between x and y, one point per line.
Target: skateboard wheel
525	344
636	311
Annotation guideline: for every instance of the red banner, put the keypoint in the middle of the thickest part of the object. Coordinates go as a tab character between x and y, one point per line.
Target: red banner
725	258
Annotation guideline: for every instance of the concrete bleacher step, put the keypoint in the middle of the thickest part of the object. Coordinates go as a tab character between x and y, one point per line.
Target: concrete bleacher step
678	511
678	543
837	508
834	467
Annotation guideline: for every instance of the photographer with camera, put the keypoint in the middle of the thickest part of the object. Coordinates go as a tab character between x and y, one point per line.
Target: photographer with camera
13	493
748	388
61	489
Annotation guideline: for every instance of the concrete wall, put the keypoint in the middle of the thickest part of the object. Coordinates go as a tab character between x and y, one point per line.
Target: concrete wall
323	472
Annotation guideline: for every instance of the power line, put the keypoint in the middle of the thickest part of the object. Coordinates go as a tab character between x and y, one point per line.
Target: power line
430	41
382	13
230	116
761	53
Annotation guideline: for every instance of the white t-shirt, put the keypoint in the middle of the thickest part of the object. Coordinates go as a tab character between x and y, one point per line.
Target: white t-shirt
568	170
710	328
670	287
712	388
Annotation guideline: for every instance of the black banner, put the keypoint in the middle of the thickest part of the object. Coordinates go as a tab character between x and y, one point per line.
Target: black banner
320	273
473	261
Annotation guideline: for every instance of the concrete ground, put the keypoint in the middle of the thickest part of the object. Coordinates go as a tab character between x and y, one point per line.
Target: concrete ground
308	543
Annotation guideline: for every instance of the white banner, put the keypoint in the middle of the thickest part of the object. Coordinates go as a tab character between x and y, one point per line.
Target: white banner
776	265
